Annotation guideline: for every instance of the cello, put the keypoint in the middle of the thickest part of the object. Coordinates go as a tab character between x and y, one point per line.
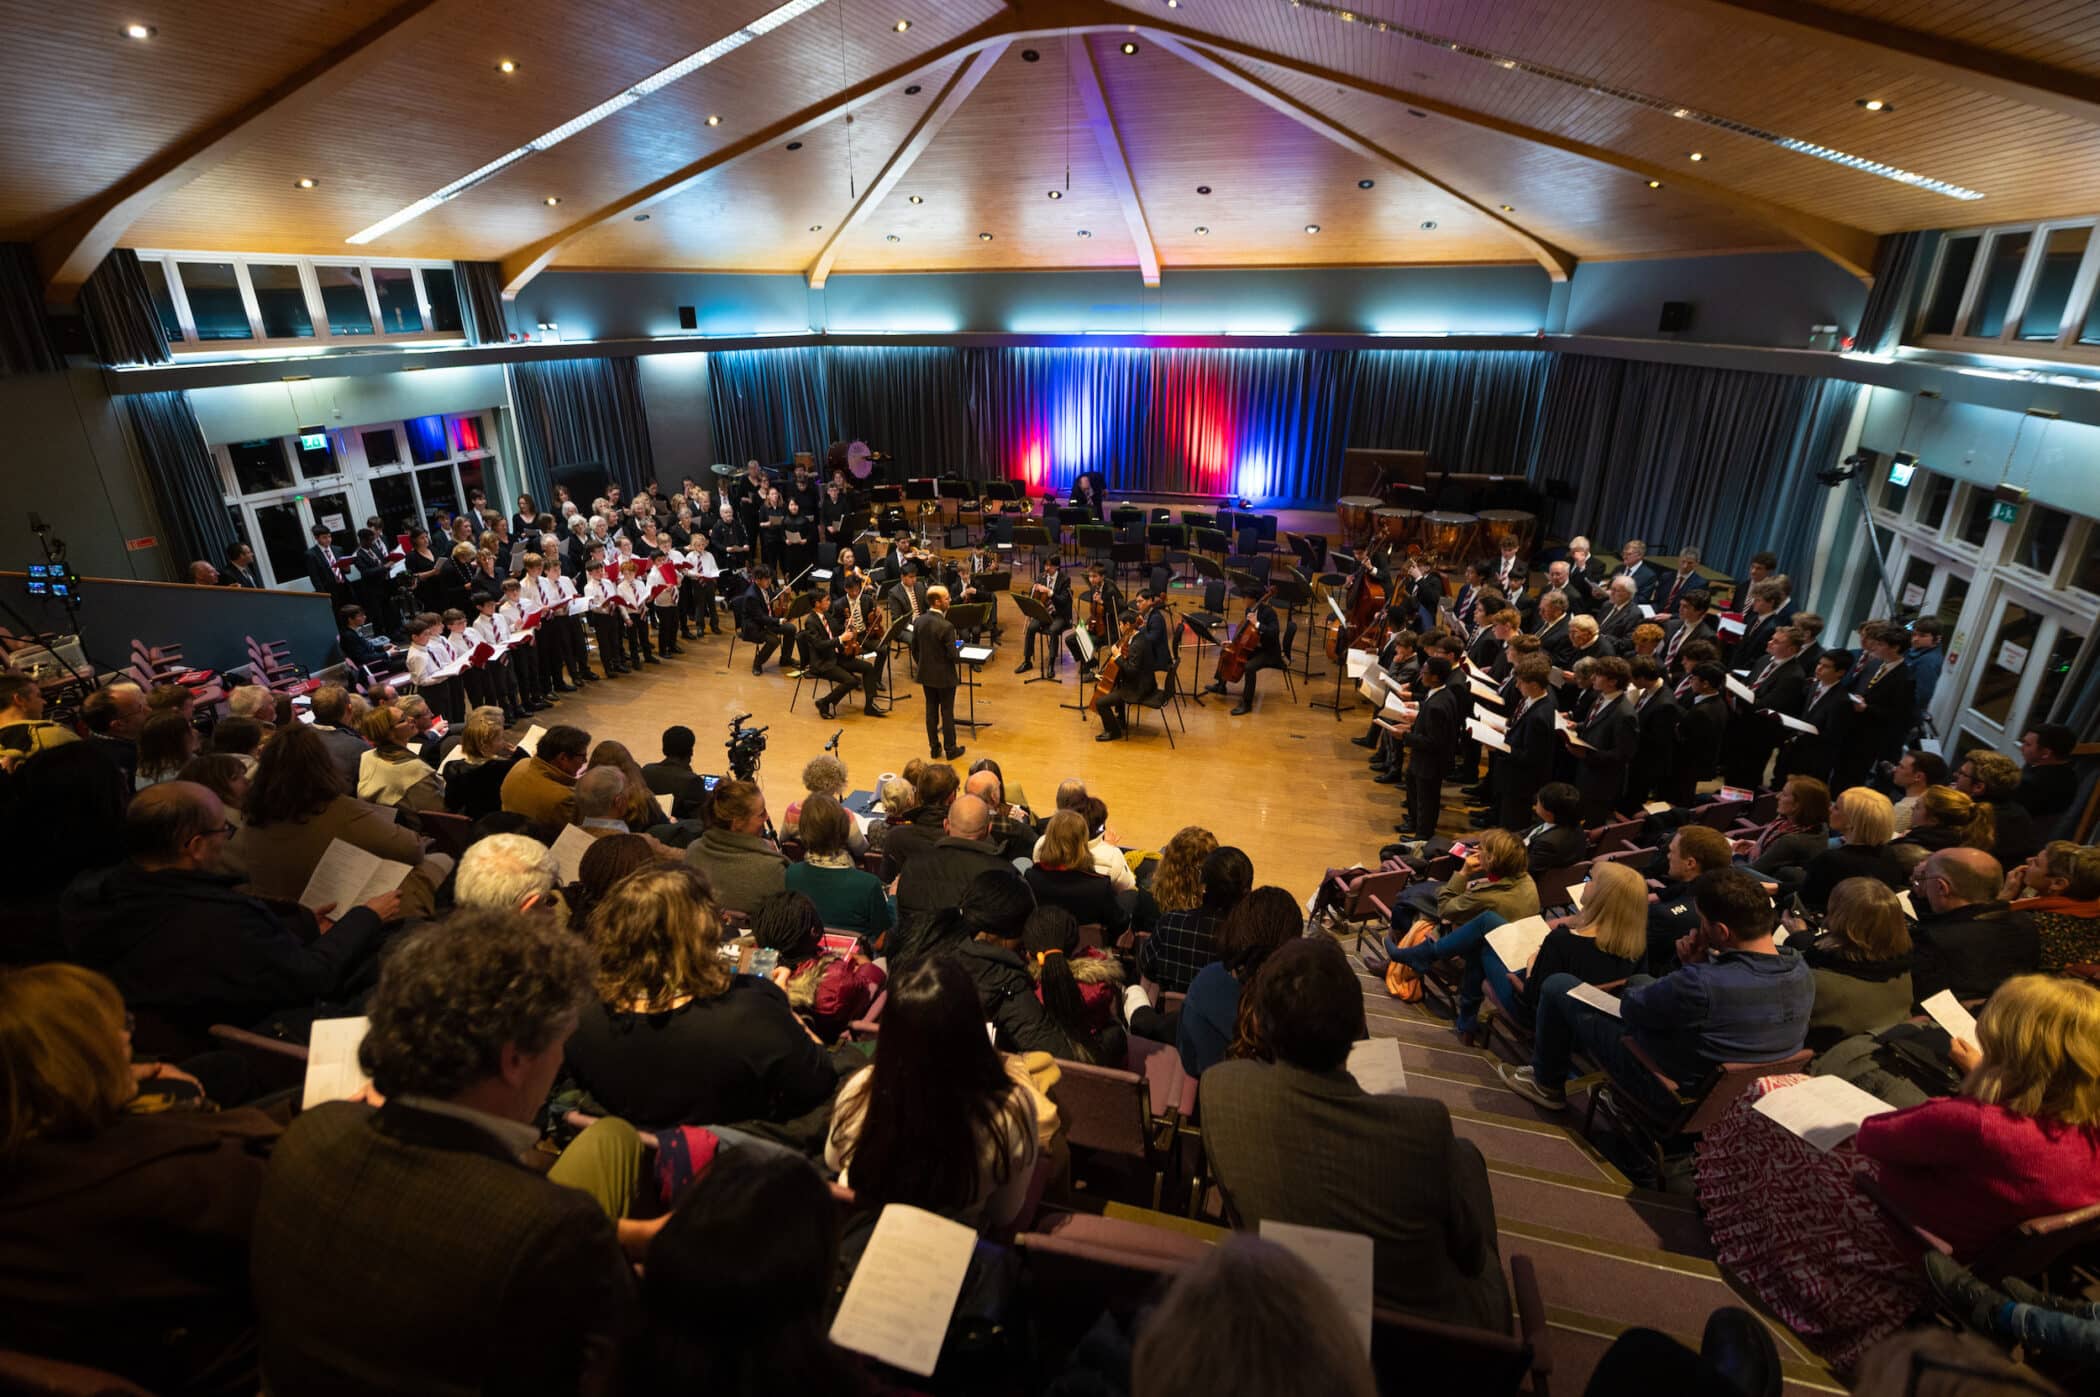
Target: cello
1235	653
1364	605
1110	672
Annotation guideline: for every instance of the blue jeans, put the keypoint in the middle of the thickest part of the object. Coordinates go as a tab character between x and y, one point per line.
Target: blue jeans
1566	1026
1482	965
2068	1334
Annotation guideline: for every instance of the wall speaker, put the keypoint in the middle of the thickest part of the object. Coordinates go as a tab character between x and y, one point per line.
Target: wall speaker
1677	315
688	318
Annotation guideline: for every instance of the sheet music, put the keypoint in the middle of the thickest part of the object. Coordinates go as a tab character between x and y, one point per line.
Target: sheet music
332	1073
1486	736
974	654
1647	611
903	1293
529	744
1376	1065
1729	625
1561	722
347	876
1493	720
1577	892
1910	909
663	803
1483	692
1948	1013
1360	662
1336	608
1343	1260
1596	998
1825	1111
1789	721
1084	644
1518	942
1739	688
1656	807
1394	706
569	850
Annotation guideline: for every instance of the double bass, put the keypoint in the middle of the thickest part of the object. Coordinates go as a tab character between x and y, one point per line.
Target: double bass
1234	655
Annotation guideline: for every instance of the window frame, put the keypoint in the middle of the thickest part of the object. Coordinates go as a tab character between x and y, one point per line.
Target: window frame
324	333
2065	346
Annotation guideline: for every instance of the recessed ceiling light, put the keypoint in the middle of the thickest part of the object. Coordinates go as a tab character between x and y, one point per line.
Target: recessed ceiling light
913	91
1655	184
1429	225
892	238
641	218
139	31
1696	155
1365	183
1509	62
713	120
816	227
1085	233
917	200
1312	227
1509	208
794	145
506	65
1681	113
984	237
1203	189
1057	193
1173	4
1129	47
1412	112
1875	104
551	200
305	182
901	25
1029	55
1201	231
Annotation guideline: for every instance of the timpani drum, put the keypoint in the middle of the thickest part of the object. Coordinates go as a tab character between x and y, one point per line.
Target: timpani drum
1397	529
1450	537
1519	524
1354	511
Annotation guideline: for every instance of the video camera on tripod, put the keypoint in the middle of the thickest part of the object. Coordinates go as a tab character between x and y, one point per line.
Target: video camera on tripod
746	746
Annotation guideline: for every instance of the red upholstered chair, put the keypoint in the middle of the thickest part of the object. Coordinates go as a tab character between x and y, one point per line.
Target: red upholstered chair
1696	1108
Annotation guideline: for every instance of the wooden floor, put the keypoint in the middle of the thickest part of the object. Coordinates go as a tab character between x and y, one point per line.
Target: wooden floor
1282	783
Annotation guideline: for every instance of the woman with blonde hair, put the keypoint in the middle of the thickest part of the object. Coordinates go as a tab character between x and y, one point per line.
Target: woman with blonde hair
1177	885
823	775
168	1197
1866	821
1861	964
390	774
474	770
1945	818
640	809
1490	888
676	1036
2020	1140
1064	875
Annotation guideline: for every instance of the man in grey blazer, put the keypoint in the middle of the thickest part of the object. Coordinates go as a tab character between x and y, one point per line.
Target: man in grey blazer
1294	1137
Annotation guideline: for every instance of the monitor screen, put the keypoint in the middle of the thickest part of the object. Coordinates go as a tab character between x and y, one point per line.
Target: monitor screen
1902	468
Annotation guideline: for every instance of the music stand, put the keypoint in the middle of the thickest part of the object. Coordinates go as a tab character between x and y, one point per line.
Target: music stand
1040	614
1295	593
1204	637
1036	539
1342	639
973	615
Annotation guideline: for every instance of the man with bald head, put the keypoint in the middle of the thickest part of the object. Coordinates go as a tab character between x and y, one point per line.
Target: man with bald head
203	574
1966	938
187	949
936	878
1014	838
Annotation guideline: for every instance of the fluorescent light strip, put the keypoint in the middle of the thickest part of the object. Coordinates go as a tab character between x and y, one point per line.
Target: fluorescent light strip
1642	99
656	81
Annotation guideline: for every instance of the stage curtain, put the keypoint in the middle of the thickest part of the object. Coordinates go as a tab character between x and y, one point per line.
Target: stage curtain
767	404
118	308
1472	410
910	401
27	345
1044	415
184	477
578	412
1897	263
481	301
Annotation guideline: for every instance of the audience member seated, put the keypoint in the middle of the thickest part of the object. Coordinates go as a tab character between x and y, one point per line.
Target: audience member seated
923	826
1945	818
1248	1317
1177	879
166	741
940	1121
828	989
742	865
225	776
1011	829
475	770
2048	785
1064	875
1914	774
1735	997
185	948
112	716
543	787
1861	962
1293	1138
1266	919
508	873
674	775
24	730
1186	939
411	1248
123	1233
2059	891
1800	830
331	708
934	880
675	1036
242	738
391	773
1491	879
297	807
2022	1140
637	808
1864	821
846	896
1968	939
822	775
760	1327
61	815
898	801
1081	988
604	864
1558	839
1994	779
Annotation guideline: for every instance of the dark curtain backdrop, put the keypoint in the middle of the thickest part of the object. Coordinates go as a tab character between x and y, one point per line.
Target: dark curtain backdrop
1471	411
26	342
1896	266
118	308
767	404
1044	415
582	411
184	478
481	300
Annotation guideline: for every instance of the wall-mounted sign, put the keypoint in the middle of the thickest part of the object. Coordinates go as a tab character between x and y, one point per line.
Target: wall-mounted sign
140	545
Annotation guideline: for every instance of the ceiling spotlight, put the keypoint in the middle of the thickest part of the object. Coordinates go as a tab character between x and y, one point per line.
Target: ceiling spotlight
816	227
1312	227
892	238
1509	63
1173	4
1029	55
139	31
1129	47
1681	113
641	218
1201	231
901	25
1057	193
794	145
1203	189
506	65
1429	225
1084	233
1365	183
1655	184
913	91
551	200
1874	104
1696	156
305	182
714	120
917	200
984	237
1508	208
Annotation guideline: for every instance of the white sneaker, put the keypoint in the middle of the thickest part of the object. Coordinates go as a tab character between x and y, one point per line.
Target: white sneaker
1520	1081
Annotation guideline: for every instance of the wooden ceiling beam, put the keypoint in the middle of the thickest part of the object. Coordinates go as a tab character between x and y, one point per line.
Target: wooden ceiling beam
1558	262
945	105
1079	57
1913	51
69	251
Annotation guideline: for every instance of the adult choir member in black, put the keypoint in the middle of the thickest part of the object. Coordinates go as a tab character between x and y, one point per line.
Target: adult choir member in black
933	650
1882	691
1528	764
1054	591
1431	743
852	619
729	543
321	569
748	493
757	624
1610	739
1145	652
1268	652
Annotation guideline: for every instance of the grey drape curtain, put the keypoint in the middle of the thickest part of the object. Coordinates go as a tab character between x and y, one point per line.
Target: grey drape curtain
1470	410
184	478
118	308
481	300
582	412
27	345
1896	266
767	404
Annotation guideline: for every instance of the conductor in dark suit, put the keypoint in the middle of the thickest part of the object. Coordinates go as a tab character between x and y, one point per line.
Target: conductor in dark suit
1529	764
1431	743
933	650
410	1248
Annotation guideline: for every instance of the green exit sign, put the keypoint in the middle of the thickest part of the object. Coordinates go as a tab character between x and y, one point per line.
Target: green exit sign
317	441
2005	511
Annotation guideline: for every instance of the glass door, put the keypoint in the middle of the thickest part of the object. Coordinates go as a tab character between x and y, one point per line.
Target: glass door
2018	673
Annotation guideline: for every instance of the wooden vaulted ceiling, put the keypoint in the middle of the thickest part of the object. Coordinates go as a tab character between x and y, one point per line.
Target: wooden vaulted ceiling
913	144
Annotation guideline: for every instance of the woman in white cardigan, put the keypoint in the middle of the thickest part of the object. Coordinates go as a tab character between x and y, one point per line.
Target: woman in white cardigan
390	774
